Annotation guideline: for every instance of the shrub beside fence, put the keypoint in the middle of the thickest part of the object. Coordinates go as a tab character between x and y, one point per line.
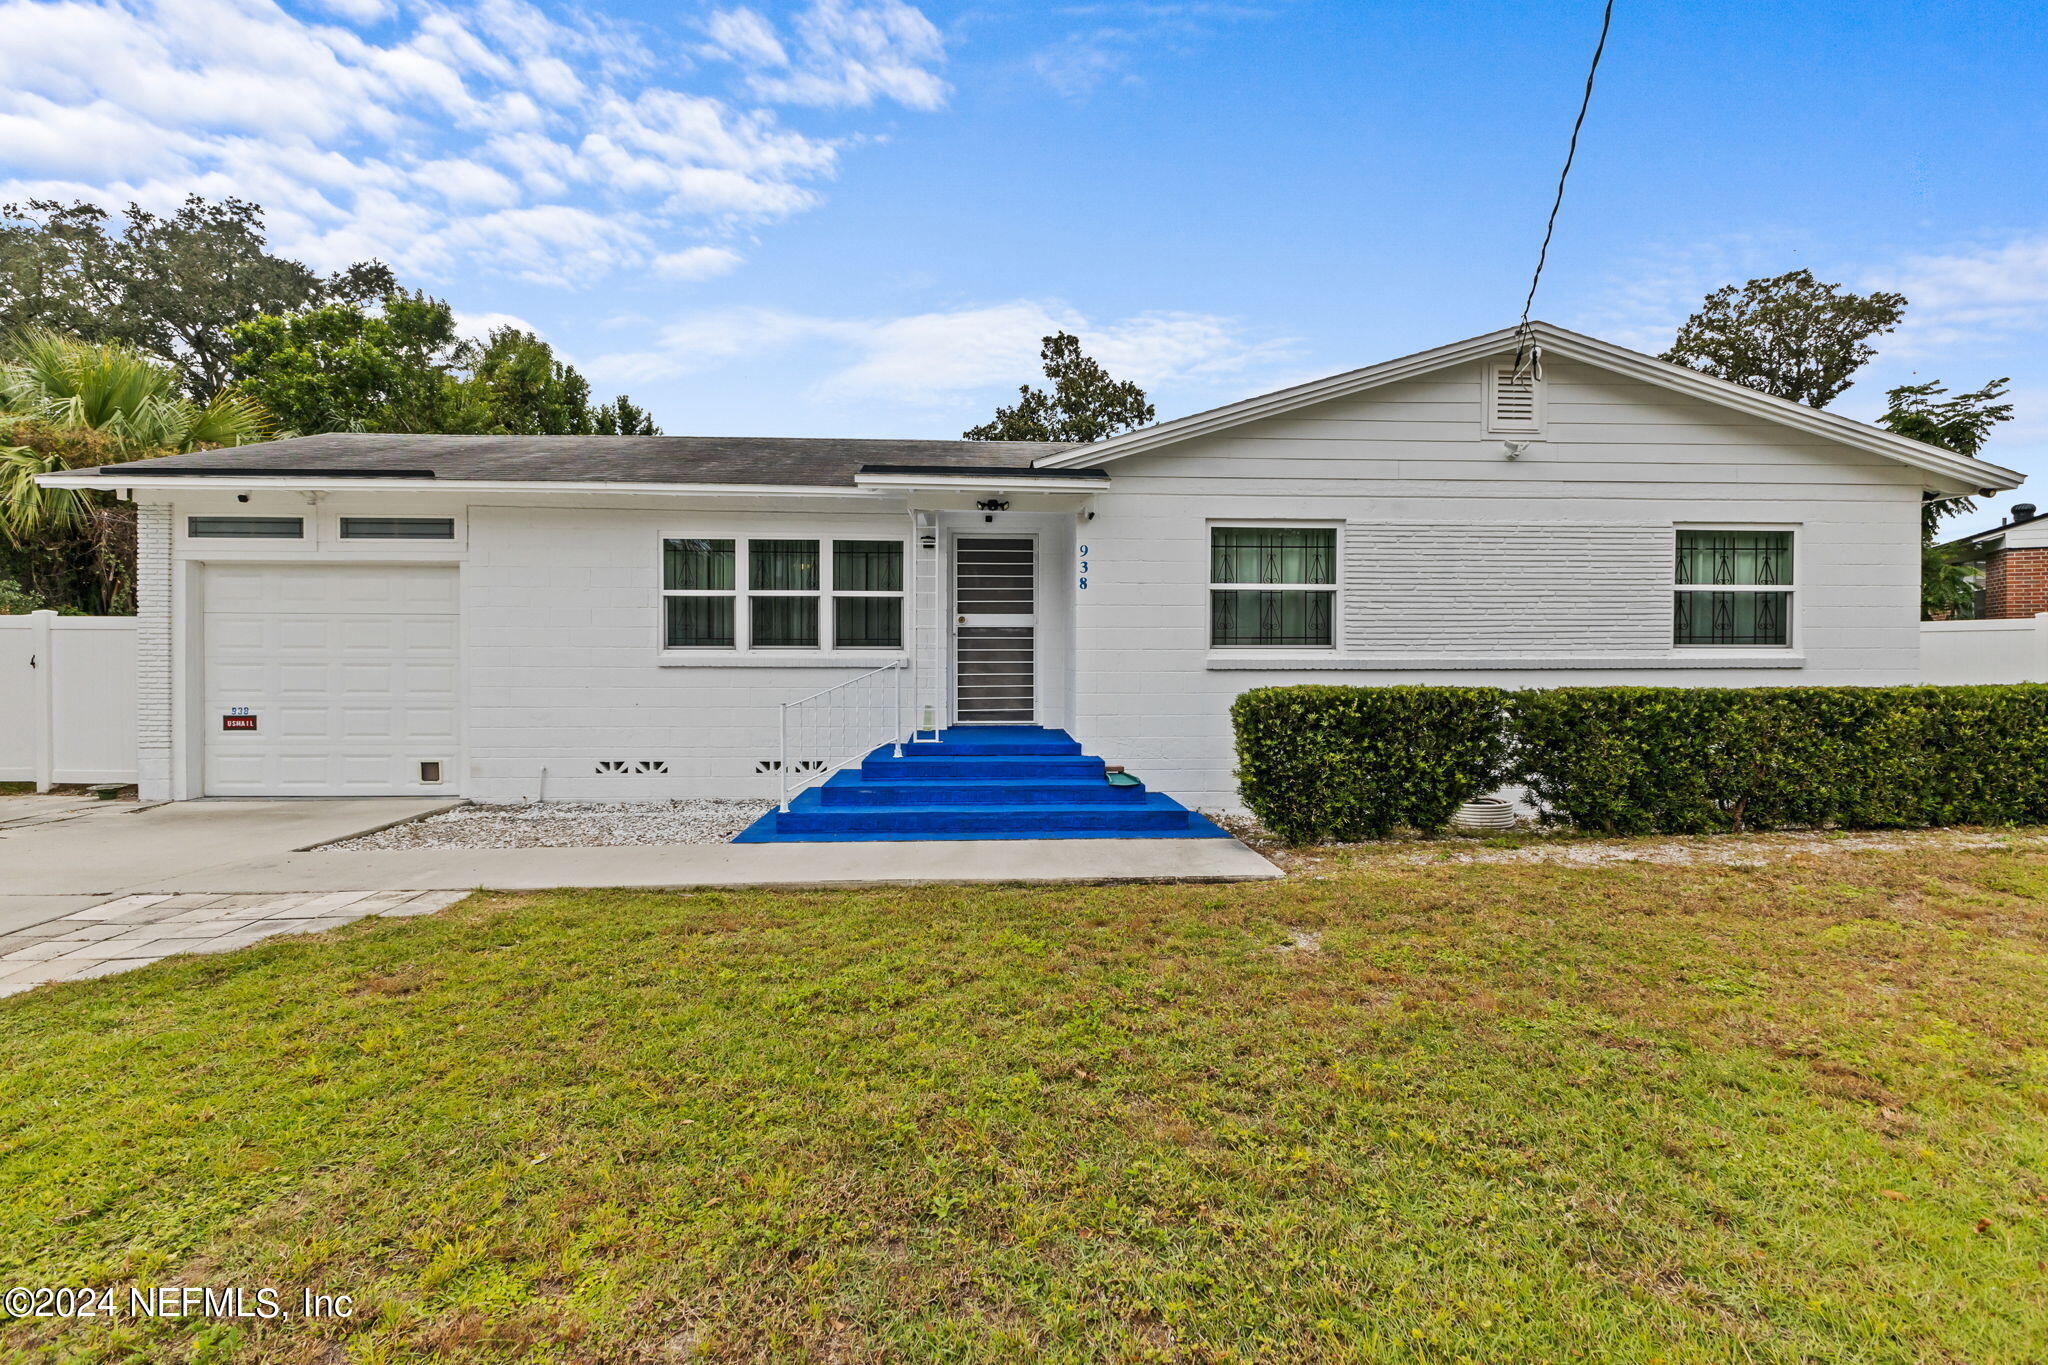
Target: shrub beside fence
1650	760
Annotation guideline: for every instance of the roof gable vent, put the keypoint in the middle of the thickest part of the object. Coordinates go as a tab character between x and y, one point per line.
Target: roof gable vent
1514	399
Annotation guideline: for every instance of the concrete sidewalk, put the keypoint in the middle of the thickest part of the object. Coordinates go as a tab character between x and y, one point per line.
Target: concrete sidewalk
106	889
246	847
663	865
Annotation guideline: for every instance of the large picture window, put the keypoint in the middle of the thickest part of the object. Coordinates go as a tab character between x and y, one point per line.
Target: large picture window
1272	586
782	594
1733	589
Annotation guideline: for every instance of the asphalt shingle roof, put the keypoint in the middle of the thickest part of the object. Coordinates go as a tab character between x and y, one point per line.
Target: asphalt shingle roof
797	461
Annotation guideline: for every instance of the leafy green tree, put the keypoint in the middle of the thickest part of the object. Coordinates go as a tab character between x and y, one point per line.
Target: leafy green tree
622	417
1960	422
69	404
341	367
406	368
171	286
1085	404
527	392
1788	335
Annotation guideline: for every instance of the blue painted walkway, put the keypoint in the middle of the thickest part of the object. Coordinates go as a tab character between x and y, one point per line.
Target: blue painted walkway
979	782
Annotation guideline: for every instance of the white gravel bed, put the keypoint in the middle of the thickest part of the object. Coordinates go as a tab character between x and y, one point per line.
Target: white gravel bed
569	824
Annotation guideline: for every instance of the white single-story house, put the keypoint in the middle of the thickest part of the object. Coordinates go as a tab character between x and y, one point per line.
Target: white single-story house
589	617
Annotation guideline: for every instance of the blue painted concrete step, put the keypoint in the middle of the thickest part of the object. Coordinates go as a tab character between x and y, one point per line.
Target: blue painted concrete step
1014	741
1045	822
930	767
979	782
852	789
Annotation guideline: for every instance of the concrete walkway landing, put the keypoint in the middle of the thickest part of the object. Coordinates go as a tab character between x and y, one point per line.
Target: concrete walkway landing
135	931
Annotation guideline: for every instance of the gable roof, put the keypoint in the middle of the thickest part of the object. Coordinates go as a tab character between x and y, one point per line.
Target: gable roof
769	461
1959	471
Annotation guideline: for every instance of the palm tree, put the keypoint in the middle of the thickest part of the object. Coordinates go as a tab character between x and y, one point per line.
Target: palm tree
72	403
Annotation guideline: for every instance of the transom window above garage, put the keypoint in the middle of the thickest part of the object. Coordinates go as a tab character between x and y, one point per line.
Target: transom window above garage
782	593
398	528
246	528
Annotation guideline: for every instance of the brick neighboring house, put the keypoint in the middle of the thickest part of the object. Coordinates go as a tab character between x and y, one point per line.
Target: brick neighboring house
2013	560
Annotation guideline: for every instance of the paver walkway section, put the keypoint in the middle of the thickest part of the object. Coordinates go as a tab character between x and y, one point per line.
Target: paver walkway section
135	931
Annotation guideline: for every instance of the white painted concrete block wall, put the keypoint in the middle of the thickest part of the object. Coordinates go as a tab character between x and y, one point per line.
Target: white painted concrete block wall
564	667
154	739
1408	466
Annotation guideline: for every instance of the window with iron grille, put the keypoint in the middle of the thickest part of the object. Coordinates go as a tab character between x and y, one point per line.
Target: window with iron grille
1272	586
772	594
1733	589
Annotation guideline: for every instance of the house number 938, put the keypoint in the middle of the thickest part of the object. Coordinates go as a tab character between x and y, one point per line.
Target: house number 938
1083	580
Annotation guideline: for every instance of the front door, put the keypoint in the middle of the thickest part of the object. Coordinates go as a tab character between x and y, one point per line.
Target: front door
995	630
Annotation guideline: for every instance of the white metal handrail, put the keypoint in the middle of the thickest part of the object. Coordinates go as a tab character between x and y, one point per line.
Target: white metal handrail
824	732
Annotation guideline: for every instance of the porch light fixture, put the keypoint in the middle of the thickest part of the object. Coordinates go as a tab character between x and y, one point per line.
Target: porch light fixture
992	506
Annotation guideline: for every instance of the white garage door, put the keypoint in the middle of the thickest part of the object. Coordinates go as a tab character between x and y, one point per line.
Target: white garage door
329	679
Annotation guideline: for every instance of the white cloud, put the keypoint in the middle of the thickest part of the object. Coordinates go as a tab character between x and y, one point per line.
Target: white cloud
932	357
556	149
746	37
479	326
1078	65
462	181
696	263
840	55
360	11
1970	295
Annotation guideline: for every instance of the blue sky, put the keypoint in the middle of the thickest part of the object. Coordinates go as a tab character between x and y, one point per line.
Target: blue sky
856	217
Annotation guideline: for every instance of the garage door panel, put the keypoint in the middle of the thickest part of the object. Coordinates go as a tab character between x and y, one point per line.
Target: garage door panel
304	680
349	671
426	725
310	636
428	632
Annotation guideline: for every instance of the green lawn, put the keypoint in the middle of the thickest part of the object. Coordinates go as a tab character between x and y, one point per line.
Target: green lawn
1491	1113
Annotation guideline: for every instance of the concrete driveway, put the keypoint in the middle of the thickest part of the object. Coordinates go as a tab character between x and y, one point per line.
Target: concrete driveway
91	888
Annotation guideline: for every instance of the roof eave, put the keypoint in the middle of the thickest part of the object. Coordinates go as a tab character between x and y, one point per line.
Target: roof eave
229	479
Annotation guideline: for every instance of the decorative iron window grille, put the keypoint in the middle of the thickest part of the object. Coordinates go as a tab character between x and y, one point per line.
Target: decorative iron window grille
1247	607
1733	589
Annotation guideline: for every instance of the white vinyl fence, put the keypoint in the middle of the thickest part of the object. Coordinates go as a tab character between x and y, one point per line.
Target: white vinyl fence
1985	651
67	698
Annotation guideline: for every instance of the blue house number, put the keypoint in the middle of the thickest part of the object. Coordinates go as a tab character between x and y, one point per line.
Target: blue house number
1084	566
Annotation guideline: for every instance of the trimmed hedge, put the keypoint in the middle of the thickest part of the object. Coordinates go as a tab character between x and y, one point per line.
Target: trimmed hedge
1342	763
1684	760
1348	763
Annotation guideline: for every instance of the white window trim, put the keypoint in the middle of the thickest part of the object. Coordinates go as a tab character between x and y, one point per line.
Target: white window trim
1791	590
742	649
1335	588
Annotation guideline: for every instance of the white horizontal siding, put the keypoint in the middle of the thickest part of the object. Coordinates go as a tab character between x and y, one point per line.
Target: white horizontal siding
1497	591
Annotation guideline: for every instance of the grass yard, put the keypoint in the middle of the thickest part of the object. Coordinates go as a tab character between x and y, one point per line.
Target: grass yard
1385	1111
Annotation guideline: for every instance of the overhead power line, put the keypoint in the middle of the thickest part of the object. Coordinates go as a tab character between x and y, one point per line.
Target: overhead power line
1571	152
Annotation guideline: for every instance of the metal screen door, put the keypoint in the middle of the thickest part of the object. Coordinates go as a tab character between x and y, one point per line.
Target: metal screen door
995	634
